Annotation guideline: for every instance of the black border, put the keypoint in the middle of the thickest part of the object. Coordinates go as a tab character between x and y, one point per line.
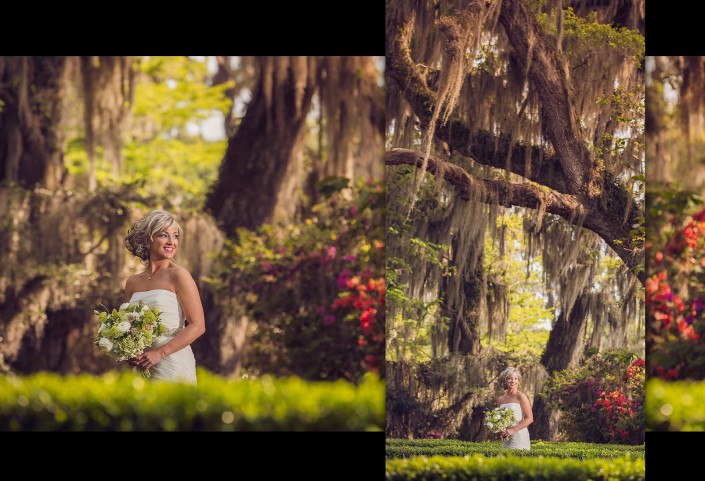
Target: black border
673	28
236	28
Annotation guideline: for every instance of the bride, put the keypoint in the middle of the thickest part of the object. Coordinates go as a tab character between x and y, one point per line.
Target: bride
515	436
171	289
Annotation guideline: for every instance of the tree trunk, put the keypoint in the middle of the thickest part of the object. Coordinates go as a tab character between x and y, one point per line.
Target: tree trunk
108	87
463	310
31	91
260	175
259	180
225	74
353	117
561	351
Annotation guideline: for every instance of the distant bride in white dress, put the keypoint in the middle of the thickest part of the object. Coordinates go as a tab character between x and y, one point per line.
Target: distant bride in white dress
171	289
515	436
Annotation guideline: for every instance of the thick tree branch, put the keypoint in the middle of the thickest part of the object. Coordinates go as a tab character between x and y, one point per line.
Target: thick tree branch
481	146
549	76
506	193
492	150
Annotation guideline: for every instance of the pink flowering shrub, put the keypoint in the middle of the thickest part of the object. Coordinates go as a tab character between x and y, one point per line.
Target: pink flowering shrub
675	287
314	289
602	401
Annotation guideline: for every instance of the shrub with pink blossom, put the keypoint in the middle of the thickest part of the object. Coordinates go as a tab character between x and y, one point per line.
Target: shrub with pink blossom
602	401
675	286
314	289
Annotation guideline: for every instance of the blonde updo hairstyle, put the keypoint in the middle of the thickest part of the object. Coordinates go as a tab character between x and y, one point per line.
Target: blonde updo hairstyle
505	374
140	236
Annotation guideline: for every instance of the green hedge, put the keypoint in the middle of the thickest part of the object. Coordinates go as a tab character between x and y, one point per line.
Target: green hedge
126	402
509	468
406	448
675	405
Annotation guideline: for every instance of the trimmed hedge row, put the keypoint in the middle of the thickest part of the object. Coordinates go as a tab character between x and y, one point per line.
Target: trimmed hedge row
406	448
126	402
509	468
675	405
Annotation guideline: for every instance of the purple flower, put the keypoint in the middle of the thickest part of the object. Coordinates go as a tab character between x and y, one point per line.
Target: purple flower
343	279
699	304
328	320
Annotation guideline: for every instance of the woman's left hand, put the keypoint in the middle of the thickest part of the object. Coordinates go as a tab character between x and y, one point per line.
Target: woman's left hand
507	432
149	359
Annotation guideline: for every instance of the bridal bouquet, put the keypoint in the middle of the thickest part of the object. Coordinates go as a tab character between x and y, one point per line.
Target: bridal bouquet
499	419
128	331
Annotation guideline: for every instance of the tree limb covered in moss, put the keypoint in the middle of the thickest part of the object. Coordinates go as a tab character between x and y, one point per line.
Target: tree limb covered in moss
507	194
501	191
481	146
569	168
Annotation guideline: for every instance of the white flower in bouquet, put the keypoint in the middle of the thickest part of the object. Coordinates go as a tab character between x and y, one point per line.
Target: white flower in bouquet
499	419
105	344
125	333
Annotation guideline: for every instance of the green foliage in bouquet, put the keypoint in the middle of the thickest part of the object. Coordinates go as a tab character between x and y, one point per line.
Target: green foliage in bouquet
126	332
498	419
315	289
602	401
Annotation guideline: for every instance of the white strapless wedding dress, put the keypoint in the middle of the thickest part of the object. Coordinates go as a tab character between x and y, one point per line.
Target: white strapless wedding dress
520	439
179	366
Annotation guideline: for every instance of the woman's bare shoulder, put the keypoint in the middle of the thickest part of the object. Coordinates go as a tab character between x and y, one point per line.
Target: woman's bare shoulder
176	269
180	277
131	281
179	273
131	285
